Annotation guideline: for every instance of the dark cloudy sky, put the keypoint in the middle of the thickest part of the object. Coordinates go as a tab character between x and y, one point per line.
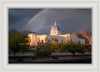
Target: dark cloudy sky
41	20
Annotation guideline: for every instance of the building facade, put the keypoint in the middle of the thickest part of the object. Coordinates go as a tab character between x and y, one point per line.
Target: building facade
55	35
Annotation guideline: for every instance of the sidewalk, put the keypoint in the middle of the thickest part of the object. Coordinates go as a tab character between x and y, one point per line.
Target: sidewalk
31	54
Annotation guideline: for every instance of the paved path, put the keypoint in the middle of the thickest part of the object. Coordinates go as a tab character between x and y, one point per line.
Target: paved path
31	54
67	59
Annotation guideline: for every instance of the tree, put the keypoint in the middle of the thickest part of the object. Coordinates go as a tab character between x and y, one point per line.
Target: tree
51	39
43	53
87	47
80	49
72	50
64	48
47	46
45	39
24	48
68	48
56	44
15	41
70	42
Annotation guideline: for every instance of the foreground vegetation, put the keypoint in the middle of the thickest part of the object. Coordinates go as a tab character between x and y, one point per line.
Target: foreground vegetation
18	43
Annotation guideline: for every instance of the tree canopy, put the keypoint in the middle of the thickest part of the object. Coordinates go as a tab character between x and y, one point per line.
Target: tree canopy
16	42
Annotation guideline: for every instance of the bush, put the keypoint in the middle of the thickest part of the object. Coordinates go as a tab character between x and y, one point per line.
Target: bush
87	47
43	54
33	57
20	59
80	50
54	57
69	48
72	48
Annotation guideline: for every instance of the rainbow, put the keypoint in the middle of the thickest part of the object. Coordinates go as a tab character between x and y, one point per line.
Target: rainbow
33	18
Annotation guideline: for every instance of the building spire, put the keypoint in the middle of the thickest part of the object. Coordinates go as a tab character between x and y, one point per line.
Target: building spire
55	22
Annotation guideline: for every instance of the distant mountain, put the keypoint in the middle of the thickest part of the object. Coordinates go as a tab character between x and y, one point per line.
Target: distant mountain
84	35
12	31
26	32
78	34
23	32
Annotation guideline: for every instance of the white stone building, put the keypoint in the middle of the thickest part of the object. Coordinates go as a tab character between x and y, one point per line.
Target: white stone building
55	35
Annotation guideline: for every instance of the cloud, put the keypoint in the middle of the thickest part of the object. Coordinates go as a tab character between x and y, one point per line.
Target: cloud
69	20
19	17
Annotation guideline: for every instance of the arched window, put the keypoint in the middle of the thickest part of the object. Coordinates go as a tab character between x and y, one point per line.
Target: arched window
38	39
62	41
45	39
48	40
42	41
57	40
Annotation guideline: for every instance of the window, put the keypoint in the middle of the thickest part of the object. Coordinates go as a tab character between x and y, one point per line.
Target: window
38	39
42	41
62	41
49	40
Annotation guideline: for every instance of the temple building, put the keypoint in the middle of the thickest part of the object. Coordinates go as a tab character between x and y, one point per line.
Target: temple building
55	35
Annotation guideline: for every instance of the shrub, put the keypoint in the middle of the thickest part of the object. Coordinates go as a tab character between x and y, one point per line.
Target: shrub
43	53
33	57
87	47
20	59
54	57
80	50
72	48
69	48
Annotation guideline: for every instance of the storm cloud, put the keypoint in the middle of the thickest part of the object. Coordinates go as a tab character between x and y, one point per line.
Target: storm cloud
69	20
